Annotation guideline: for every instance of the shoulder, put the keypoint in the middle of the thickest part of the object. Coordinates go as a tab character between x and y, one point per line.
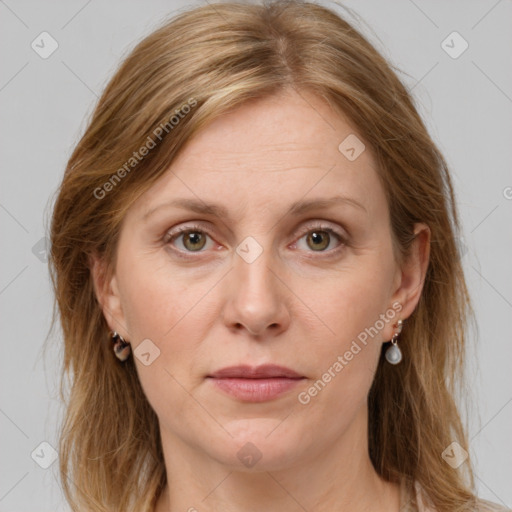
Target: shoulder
424	505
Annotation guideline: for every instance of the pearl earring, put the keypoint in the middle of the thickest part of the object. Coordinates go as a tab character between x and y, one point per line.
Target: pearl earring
393	353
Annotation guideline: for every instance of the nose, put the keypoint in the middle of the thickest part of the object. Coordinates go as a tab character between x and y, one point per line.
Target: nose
258	300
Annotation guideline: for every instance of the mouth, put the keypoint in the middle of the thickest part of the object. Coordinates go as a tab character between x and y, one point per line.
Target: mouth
255	384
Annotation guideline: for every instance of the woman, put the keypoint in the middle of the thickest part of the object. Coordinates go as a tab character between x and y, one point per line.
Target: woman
255	262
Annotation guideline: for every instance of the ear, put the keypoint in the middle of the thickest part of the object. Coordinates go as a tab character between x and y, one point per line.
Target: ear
107	294
410	277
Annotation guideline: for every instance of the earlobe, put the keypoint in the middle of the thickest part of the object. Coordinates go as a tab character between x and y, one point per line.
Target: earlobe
108	296
411	276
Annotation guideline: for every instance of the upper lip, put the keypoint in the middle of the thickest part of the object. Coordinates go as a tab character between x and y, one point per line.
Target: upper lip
265	371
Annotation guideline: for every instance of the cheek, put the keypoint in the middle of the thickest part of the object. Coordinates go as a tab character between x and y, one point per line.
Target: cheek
353	302
354	307
164	307
168	306
154	300
345	362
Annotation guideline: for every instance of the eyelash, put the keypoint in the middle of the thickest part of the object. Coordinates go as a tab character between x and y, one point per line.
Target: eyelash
170	237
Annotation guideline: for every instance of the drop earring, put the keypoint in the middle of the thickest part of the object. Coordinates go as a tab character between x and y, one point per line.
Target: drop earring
122	349
393	353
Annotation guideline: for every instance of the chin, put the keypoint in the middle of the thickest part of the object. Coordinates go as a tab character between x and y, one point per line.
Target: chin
259	444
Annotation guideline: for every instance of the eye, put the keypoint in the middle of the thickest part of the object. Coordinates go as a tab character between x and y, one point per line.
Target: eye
193	238
320	237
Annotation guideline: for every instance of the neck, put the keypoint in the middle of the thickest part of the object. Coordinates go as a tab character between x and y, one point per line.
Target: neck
341	477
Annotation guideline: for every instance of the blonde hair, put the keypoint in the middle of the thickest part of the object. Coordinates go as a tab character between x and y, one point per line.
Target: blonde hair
214	58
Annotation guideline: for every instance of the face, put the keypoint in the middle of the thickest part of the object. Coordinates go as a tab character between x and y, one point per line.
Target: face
268	275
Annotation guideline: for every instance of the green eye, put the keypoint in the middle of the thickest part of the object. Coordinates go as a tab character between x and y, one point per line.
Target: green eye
194	240
318	240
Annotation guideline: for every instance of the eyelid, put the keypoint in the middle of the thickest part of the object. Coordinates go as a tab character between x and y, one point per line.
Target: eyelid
183	229
175	233
322	225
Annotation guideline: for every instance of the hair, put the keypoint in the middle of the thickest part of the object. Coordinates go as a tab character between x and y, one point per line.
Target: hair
214	58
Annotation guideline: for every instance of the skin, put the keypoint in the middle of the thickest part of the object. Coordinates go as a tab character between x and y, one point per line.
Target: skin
300	304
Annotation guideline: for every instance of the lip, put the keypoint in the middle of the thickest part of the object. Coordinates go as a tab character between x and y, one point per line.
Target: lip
264	371
255	384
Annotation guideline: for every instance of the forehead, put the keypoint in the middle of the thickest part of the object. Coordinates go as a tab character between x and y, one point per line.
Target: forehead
279	148
277	128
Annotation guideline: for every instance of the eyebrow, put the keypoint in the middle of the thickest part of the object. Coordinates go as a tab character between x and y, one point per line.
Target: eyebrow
297	208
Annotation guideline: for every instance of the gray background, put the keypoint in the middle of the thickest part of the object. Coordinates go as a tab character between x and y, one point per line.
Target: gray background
466	102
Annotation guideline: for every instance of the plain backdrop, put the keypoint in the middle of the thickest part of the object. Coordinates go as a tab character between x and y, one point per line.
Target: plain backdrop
465	98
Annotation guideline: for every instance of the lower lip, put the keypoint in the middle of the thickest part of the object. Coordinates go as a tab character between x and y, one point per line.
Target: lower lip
256	390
